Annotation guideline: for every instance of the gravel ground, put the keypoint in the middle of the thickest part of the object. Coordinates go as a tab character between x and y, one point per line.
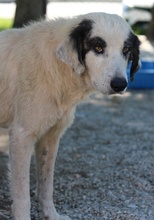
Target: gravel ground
105	164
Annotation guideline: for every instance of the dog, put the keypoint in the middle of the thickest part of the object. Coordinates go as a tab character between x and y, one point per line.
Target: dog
46	69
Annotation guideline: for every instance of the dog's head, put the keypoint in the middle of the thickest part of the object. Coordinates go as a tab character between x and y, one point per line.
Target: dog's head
102	45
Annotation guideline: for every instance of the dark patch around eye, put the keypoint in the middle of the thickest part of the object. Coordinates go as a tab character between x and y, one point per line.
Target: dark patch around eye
131	43
126	50
95	42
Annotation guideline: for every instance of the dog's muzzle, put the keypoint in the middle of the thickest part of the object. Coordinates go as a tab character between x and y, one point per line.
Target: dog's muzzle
118	84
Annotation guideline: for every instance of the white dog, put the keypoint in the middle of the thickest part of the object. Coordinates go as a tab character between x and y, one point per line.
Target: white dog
46	68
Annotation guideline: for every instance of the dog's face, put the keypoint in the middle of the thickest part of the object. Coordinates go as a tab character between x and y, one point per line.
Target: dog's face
102	45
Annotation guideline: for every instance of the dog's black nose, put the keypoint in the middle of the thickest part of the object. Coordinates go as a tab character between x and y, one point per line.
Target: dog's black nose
118	84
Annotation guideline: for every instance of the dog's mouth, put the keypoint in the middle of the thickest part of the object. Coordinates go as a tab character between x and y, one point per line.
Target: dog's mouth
116	86
112	92
120	93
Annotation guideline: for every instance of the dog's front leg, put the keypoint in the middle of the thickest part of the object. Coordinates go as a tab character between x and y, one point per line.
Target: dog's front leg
46	152
20	155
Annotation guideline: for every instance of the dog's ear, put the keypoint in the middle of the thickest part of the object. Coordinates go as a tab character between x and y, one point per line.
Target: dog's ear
66	54
72	50
134	56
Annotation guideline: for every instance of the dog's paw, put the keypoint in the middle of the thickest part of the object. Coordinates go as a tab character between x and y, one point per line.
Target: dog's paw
49	212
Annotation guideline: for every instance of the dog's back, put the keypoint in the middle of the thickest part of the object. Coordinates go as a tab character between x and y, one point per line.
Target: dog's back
21	57
8	73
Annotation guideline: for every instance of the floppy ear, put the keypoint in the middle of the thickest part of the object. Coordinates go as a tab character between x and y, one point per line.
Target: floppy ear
72	51
134	57
66	54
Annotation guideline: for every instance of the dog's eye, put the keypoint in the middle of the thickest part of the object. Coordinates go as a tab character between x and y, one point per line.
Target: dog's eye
99	49
126	50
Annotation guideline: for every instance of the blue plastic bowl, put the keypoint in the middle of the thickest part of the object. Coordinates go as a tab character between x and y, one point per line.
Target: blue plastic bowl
144	78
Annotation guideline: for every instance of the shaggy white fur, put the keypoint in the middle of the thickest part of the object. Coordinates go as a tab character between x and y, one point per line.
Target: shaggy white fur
46	68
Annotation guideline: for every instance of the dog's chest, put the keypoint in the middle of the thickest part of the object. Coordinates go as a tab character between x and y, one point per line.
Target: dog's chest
65	121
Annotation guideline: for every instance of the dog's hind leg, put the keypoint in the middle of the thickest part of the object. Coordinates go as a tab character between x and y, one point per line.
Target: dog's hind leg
20	156
46	152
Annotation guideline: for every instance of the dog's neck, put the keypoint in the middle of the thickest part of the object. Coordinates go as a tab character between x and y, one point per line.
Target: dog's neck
74	87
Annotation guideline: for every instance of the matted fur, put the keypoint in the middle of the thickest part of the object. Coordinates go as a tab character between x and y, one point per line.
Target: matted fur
46	68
